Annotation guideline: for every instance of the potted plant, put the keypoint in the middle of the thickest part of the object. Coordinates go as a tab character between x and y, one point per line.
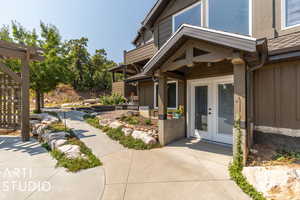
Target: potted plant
178	113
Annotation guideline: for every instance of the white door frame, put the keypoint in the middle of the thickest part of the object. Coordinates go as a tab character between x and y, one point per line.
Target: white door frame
212	101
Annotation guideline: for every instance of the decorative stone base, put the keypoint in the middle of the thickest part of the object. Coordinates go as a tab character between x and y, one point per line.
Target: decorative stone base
279	141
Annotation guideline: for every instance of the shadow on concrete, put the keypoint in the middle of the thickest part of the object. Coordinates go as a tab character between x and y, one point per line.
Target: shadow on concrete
203	146
15	144
80	134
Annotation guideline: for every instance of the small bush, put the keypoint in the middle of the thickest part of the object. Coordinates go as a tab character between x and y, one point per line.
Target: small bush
287	156
148	122
236	168
93	121
127	141
131	120
114	99
77	164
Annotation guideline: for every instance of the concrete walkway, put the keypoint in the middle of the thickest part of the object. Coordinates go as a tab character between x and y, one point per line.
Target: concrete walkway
27	172
189	170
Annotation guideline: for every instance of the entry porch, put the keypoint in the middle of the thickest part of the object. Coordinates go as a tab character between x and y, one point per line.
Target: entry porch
215	69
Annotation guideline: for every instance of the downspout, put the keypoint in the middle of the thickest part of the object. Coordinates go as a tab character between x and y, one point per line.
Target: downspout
250	91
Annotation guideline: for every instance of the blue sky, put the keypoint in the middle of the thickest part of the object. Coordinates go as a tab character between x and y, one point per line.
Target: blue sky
109	24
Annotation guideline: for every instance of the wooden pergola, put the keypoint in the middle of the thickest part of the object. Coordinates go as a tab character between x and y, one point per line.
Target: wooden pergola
10	111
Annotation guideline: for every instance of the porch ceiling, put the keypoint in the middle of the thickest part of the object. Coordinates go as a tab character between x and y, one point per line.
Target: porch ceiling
211	46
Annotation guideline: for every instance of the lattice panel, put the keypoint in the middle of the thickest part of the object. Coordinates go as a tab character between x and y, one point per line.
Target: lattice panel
10	103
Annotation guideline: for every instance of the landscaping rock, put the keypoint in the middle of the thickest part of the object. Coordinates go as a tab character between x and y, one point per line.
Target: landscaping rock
127	131
71	151
54	136
104	122
115	124
137	134
276	182
54	144
132	113
91	101
141	135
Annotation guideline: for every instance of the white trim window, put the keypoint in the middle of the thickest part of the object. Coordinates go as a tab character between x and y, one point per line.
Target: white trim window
290	13
191	15
172	95
230	16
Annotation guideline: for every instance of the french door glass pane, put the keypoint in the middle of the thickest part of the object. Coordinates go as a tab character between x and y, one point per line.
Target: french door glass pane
226	103
292	12
201	110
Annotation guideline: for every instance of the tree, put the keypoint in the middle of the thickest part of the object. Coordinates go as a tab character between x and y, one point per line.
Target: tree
78	58
45	75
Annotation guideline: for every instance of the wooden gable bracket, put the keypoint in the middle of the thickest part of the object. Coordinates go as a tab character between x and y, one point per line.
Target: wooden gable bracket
215	54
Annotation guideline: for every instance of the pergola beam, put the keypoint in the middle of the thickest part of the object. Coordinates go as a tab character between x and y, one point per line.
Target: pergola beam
8	71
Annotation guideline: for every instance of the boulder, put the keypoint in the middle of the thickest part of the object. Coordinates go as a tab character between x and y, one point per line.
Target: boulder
104	122
54	144
276	182
132	113
115	124
91	101
127	131
54	136
71	151
149	140
137	134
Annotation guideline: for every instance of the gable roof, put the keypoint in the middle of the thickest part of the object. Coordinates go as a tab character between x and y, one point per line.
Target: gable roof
159	6
235	41
290	42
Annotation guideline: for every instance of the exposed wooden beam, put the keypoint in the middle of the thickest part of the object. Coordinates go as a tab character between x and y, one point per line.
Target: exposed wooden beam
11	53
8	71
174	75
212	57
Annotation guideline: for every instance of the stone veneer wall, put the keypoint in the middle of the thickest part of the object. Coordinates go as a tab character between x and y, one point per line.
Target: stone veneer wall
279	141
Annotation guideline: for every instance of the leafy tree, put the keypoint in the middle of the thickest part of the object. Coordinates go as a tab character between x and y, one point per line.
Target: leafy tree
47	74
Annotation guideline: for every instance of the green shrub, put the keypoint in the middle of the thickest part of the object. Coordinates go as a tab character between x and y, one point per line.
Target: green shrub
127	141
93	121
77	164
130	120
236	168
148	122
114	99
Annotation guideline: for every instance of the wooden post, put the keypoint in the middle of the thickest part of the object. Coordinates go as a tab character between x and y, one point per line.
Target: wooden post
239	68
162	97
25	99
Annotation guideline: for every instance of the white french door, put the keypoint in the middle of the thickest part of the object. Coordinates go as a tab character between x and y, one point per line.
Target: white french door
211	111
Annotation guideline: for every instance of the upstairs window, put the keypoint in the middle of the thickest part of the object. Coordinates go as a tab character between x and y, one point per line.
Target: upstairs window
291	13
190	15
230	16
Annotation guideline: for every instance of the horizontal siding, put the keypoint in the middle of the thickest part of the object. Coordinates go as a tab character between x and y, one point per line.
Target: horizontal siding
140	54
217	69
164	31
277	95
146	93
118	88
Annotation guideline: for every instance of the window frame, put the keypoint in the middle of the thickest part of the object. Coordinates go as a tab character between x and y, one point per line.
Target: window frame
250	16
186	9
155	95
283	17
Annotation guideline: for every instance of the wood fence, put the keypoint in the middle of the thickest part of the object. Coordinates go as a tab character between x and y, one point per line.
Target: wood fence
10	103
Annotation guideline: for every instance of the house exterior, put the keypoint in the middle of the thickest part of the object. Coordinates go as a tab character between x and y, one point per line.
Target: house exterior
224	62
